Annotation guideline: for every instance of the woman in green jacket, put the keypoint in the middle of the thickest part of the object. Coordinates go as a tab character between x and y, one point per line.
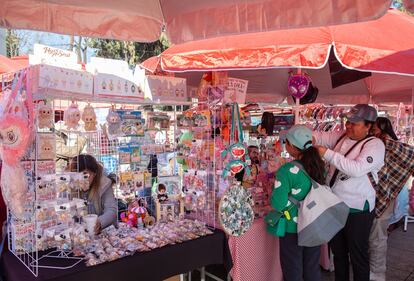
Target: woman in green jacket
298	263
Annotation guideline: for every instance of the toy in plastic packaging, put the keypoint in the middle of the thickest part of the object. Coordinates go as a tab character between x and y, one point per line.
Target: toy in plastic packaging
158	121
46	146
44	115
132	124
114	124
72	116
46	187
89	118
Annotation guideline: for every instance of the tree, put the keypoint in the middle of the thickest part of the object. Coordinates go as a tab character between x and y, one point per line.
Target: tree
12	43
131	52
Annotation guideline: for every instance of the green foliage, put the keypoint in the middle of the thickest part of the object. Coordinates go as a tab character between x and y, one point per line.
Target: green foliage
12	43
132	52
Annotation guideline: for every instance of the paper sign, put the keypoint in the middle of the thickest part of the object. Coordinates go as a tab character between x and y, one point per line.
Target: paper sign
53	56
236	90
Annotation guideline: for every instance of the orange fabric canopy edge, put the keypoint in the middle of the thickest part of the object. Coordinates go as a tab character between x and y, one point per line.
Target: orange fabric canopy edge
184	20
384	45
8	65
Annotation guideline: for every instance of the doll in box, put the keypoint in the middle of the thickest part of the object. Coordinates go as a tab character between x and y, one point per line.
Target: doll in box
89	118
162	193
44	116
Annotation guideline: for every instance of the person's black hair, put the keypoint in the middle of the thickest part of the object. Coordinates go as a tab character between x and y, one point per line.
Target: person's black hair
268	122
312	163
367	123
384	124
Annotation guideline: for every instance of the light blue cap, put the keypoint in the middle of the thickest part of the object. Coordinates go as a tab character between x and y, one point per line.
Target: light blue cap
300	136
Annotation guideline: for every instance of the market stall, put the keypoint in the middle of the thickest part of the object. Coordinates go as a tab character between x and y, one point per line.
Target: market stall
329	57
128	124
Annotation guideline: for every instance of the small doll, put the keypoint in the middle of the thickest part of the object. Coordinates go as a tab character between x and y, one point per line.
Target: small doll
89	118
47	150
114	123
72	116
162	193
44	116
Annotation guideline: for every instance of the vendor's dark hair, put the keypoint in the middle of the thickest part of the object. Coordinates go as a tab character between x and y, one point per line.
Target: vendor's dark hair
86	162
384	124
312	163
268	122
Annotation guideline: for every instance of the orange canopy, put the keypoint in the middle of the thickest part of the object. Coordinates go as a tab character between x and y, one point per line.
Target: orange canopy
383	45
8	65
184	20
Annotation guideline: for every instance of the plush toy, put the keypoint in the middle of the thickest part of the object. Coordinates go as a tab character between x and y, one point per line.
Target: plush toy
89	118
15	136
114	123
46	150
130	218
162	195
44	114
72	116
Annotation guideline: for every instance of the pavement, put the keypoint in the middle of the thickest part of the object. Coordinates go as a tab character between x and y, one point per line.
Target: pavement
400	256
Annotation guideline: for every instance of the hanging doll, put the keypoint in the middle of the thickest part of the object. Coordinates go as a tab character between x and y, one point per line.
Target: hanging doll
89	118
72	116
44	115
114	123
15	137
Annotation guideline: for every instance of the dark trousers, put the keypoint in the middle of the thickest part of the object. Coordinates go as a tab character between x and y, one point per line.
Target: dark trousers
299	263
352	242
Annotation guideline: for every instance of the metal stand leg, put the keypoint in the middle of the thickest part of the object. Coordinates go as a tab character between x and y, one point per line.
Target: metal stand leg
181	277
203	274
189	276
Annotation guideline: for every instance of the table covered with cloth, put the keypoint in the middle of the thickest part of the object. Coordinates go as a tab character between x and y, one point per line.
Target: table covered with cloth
157	264
256	255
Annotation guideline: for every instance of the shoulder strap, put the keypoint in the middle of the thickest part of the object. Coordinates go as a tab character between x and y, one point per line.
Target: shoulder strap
339	140
335	174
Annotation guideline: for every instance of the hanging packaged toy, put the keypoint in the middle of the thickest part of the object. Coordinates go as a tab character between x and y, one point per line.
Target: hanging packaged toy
114	124
89	118
237	149
72	116
44	115
15	136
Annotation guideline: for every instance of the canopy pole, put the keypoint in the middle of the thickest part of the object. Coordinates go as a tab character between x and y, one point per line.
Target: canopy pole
411	114
297	111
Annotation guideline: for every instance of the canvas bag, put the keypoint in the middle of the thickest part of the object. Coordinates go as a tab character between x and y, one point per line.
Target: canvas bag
321	215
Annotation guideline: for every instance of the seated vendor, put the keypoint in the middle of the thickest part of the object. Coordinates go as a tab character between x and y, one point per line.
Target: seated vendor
100	195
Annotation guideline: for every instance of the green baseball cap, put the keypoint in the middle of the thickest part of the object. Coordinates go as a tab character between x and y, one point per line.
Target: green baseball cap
300	136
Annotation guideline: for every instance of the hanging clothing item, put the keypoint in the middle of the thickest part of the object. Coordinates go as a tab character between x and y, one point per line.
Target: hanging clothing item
399	166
